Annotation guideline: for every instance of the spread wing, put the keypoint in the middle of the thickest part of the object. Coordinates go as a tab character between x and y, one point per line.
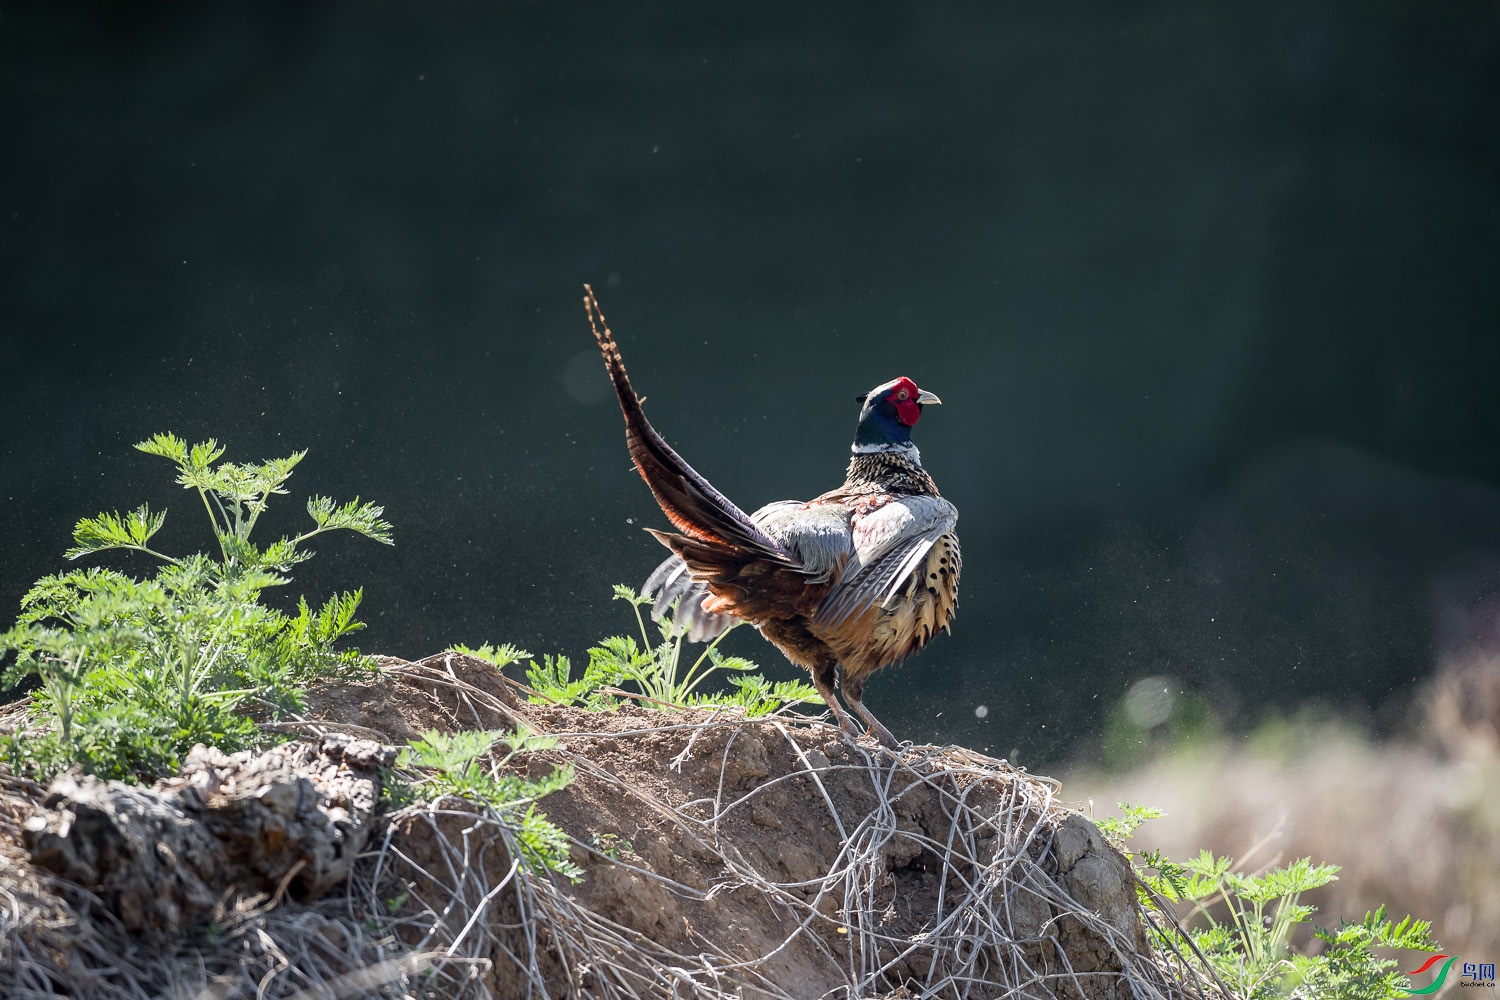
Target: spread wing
890	542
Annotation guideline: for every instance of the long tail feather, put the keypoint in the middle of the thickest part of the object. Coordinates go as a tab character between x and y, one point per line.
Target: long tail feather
693	506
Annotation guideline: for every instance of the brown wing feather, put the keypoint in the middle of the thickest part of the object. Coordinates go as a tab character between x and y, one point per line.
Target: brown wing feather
751	588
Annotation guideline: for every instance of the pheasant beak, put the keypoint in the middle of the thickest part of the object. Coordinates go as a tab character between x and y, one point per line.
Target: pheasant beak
926	397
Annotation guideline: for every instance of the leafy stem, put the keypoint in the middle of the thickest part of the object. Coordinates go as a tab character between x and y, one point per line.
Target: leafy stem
134	671
1251	948
464	765
655	669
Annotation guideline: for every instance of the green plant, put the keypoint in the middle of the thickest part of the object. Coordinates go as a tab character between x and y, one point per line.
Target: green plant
502	655
655	670
1347	967
1242	924
552	682
610	844
134	672
454	763
396	791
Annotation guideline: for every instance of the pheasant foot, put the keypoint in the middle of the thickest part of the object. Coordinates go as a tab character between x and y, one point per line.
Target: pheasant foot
824	684
875	728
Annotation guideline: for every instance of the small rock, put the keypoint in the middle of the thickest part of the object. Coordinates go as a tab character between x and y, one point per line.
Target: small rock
762	816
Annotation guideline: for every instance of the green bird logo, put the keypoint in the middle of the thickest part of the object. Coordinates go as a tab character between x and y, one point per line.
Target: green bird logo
1437	983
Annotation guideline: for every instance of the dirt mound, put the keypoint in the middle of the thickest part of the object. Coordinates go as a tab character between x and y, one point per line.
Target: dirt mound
292	819
721	857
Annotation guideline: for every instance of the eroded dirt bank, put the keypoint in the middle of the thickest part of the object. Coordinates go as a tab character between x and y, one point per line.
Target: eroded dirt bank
721	856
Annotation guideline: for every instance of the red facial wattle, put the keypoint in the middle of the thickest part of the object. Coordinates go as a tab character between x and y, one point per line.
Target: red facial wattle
908	410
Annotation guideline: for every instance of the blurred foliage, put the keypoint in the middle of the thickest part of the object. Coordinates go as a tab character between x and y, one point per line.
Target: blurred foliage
1155	716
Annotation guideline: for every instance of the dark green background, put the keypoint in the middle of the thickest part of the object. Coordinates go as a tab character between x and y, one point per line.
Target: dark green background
1210	292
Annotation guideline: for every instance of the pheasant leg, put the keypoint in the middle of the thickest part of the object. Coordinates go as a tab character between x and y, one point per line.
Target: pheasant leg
822	678
853	689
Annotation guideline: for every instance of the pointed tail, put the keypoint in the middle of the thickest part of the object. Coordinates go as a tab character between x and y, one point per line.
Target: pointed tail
697	510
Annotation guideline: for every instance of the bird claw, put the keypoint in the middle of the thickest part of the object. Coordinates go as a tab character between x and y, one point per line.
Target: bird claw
880	737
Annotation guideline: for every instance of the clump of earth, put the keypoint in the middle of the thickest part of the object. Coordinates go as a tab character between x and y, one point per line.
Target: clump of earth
718	856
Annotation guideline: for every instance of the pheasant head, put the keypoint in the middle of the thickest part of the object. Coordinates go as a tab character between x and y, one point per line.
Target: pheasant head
888	414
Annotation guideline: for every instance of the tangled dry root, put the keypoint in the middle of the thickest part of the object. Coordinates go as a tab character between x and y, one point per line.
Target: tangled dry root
723	857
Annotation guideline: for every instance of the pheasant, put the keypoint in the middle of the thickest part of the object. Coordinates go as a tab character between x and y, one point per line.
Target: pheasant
859	578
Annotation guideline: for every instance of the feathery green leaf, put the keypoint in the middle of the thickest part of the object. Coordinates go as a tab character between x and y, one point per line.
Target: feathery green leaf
115	531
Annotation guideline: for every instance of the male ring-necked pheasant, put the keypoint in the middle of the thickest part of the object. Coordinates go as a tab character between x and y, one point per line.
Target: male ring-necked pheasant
860	577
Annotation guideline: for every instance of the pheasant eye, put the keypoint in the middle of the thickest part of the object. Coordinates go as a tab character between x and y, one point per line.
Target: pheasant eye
902	394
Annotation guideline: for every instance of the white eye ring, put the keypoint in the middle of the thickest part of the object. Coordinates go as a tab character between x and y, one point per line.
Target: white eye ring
903	394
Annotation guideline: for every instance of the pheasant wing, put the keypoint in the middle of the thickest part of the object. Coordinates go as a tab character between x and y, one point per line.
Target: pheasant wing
890	542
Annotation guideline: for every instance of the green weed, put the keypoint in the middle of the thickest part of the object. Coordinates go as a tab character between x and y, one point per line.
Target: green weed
502	655
454	766
133	672
1120	828
1242	924
655	670
611	845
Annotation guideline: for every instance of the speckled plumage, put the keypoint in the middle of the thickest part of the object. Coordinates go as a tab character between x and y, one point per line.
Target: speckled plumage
859	578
